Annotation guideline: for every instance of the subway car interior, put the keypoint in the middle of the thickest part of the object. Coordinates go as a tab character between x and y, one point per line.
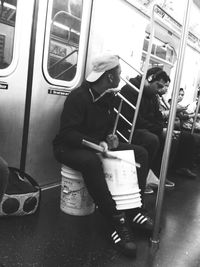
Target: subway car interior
46	51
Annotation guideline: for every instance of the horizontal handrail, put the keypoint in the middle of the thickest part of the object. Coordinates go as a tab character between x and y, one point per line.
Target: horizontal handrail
130	84
125	100
121	116
118	132
125	61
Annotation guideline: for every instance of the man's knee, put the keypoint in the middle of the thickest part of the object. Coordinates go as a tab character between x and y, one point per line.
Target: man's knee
146	139
141	154
154	139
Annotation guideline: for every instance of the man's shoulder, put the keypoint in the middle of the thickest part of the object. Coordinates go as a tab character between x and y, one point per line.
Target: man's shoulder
78	95
82	90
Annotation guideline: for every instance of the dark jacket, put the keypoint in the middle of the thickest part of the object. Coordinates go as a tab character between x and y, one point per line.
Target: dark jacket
84	118
149	116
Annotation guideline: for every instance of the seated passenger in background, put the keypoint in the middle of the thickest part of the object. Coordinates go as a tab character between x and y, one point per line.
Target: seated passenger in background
184	143
4	173
186	114
88	115
149	125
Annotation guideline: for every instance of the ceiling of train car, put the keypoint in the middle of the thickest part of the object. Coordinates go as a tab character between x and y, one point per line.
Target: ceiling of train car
173	7
176	9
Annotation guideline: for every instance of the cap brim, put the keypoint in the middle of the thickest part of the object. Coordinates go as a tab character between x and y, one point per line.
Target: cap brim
94	76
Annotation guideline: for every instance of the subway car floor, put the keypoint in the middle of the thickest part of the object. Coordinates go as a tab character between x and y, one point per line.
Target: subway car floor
51	238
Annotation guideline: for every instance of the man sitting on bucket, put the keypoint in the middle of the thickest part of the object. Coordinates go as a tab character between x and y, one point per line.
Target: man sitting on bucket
88	114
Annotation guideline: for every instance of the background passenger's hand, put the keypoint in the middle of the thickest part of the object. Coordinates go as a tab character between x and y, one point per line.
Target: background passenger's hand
181	108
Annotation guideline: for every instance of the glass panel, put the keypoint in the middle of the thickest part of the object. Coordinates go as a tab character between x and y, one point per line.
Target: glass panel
64	39
170	55
7	30
152	63
146	44
161	52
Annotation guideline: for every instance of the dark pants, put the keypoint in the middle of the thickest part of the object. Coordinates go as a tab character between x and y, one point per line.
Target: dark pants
89	164
149	141
185	151
181	153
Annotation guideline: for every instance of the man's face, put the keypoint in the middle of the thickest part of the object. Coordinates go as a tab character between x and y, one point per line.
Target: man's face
156	86
164	89
115	81
180	96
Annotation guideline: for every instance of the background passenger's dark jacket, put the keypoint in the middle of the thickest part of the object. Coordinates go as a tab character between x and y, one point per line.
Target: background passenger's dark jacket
149	116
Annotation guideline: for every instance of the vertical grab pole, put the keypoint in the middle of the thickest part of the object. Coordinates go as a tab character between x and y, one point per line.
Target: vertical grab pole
146	66
165	158
196	114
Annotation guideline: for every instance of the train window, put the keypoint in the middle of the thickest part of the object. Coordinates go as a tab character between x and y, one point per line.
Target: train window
7	31
161	54
62	48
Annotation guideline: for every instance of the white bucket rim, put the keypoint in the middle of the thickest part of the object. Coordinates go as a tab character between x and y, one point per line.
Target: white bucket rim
128	196
123	202
67	169
128	206
67	176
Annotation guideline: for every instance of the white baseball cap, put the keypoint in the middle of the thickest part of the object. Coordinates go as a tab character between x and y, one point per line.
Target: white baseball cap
102	64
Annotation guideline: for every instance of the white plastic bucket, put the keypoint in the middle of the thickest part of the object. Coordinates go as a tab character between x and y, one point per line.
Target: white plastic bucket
75	199
121	178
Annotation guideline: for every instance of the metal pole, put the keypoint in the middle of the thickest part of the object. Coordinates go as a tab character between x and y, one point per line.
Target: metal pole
196	114
165	158
146	66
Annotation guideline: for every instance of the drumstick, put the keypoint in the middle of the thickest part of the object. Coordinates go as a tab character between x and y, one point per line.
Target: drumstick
100	149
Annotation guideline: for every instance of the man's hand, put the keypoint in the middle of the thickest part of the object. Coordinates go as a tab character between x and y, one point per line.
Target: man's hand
112	141
104	145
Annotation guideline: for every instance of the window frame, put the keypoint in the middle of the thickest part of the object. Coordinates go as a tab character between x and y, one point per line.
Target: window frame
16	41
82	51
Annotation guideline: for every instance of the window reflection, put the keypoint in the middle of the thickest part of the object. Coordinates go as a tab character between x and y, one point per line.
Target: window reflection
64	39
7	29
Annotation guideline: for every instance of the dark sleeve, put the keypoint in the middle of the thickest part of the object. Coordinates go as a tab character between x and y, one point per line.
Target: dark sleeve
151	121
72	121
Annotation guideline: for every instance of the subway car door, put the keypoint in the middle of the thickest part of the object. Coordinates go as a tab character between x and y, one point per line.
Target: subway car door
59	49
16	18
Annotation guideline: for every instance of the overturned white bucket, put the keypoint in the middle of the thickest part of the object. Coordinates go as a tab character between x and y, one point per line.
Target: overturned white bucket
75	199
121	177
